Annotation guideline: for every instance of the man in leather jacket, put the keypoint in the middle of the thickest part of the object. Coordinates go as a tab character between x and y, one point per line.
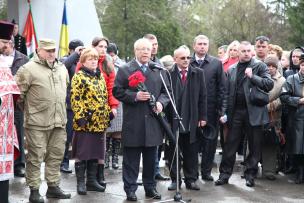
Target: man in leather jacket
243	114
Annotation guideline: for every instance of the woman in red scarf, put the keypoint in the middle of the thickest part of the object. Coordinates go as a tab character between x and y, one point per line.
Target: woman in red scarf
106	67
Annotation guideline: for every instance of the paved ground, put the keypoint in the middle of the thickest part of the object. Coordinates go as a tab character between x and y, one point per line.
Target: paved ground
281	190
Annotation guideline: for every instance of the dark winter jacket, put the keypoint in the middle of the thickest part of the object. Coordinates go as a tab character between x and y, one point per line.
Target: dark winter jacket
292	92
258	115
216	86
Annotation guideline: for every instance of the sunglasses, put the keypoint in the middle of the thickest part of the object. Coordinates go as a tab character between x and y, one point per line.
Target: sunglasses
185	57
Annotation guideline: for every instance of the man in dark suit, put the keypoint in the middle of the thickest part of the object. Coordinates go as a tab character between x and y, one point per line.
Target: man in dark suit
17	59
243	114
141	132
153	39
216	100
189	90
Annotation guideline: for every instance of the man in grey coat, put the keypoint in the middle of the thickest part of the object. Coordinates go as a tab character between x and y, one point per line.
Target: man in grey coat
141	132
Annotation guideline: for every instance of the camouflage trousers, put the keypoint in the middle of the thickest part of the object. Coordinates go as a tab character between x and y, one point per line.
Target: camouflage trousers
44	146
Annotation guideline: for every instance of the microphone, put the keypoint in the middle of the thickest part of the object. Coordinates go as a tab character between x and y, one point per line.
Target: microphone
154	65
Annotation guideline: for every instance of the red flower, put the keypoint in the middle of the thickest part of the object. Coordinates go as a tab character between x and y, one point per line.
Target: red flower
136	80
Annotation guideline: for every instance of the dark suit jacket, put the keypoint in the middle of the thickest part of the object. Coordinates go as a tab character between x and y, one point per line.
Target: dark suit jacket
140	127
198	98
258	115
19	60
70	63
216	86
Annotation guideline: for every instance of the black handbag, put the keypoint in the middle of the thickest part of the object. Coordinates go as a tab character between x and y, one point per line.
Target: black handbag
258	97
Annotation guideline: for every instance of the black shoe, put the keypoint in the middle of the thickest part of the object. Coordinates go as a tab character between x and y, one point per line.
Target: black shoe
290	170
207	177
192	186
152	193
131	196
221	181
65	169
299	175
161	177
270	176
57	192
250	182
19	172
173	186
35	197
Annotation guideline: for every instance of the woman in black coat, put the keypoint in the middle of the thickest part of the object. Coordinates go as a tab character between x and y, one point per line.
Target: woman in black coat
293	96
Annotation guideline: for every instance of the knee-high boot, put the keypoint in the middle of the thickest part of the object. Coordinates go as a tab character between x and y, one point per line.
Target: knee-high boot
115	151
92	184
100	175
108	150
80	168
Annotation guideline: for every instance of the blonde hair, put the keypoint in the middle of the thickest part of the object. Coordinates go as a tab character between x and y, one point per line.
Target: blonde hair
88	52
230	46
277	49
286	54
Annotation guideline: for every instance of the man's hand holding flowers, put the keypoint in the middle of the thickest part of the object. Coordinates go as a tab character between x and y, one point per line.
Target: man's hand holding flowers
142	96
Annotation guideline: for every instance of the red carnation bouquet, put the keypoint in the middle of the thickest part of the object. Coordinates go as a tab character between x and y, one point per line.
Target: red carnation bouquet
136	80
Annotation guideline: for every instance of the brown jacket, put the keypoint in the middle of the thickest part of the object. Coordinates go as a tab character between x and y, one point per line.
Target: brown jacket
274	106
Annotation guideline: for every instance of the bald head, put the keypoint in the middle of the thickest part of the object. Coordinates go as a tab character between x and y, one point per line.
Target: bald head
182	57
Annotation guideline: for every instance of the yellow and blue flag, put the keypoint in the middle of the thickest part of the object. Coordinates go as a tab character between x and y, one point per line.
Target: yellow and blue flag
64	34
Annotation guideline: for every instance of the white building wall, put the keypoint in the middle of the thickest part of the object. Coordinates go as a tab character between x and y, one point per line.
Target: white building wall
82	18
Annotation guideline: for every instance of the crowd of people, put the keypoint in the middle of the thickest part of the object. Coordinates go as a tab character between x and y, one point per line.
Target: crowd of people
251	96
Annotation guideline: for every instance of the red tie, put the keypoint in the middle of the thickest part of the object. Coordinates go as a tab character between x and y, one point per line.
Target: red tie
184	76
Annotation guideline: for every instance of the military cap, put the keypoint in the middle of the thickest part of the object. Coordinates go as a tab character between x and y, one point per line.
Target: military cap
6	30
47	44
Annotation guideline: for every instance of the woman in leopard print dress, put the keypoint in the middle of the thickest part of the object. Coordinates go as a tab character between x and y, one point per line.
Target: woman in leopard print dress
89	99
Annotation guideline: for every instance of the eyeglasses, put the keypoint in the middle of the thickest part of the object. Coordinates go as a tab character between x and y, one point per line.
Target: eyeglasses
143	49
185	57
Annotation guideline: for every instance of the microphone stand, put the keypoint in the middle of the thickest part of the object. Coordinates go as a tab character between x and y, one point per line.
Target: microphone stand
178	196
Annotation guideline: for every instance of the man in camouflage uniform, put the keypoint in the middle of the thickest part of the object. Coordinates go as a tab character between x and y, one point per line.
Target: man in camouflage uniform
43	82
